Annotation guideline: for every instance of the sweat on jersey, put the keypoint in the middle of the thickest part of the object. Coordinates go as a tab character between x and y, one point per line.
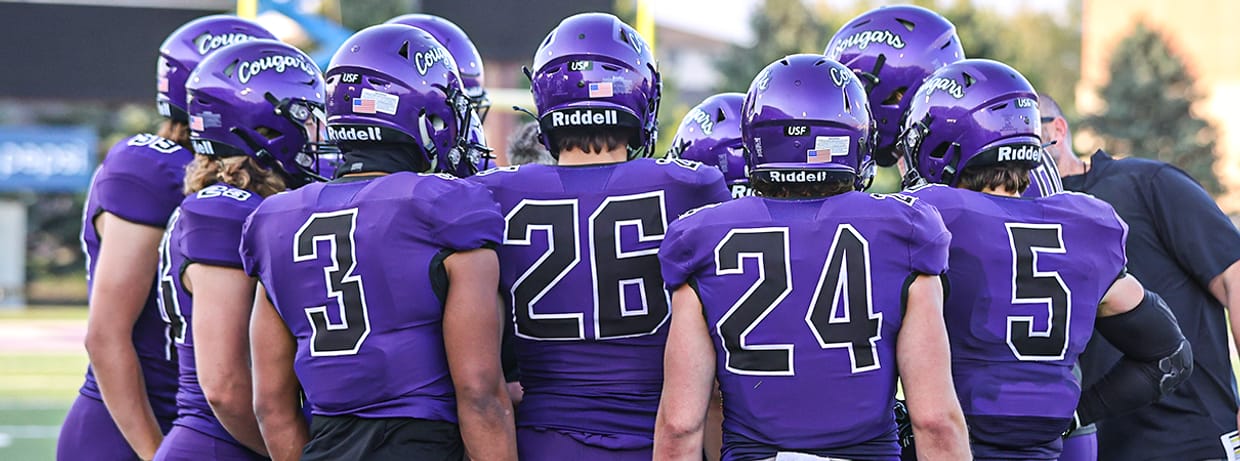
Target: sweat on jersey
355	269
139	181
804	299
206	229
1025	287
580	272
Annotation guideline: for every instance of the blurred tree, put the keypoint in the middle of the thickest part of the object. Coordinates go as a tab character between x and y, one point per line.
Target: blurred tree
361	14
780	28
671	110
1149	108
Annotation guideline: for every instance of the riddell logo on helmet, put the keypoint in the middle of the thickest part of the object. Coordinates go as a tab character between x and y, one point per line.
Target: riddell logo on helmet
584	117
946	85
1026	153
354	133
799	176
862	40
206	42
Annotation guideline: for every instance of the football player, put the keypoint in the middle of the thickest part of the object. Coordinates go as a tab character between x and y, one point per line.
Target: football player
893	49
255	111
806	337
579	256
377	289
1035	278
711	134
129	398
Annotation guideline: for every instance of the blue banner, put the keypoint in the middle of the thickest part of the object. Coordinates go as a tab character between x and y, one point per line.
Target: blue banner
47	158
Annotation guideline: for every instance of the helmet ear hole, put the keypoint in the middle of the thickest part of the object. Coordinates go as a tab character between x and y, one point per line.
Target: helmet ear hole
436	122
268	132
939	151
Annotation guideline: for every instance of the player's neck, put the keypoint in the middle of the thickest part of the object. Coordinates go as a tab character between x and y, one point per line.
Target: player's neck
576	156
1069	164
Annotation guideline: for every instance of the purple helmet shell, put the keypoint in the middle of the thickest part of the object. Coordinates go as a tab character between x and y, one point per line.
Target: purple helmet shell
393	83
594	70
975	112
260	98
186	47
806	116
711	133
468	60
893	49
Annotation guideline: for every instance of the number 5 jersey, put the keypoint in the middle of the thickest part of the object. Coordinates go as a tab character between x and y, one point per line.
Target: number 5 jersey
1025	282
580	271
355	269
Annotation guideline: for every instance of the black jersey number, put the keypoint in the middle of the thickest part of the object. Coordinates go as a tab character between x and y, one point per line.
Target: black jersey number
169	305
616	272
343	286
841	316
1033	286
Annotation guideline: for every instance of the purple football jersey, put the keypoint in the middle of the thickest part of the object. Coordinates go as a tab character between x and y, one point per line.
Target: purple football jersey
1025	287
580	269
804	299
139	181
206	229
1044	179
355	269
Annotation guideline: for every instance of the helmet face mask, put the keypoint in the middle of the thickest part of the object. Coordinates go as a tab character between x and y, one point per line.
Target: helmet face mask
893	49
263	99
806	119
593	70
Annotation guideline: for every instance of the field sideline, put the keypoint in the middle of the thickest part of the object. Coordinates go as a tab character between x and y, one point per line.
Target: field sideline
41	365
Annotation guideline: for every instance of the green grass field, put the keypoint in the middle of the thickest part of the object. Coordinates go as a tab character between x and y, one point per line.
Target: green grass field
37	385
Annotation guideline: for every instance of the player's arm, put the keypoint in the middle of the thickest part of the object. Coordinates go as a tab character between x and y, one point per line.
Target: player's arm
277	393
223	297
1157	358
688	378
1226	288
472	330
924	358
128	261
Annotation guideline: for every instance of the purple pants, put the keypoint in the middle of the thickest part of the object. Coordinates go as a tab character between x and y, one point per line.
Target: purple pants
1080	448
89	434
539	444
185	444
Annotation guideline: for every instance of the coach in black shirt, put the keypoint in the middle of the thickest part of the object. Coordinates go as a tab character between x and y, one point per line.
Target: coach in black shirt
1181	246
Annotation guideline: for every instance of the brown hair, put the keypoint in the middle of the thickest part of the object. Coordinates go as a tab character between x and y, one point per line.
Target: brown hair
821	189
1014	177
238	171
177	132
592	140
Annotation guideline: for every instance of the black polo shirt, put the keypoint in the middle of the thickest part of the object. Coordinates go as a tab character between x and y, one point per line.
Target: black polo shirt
1178	241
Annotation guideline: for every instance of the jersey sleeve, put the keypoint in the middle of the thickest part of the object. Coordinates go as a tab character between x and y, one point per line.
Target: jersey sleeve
1196	232
210	230
677	255
463	215
712	188
248	250
130	186
929	240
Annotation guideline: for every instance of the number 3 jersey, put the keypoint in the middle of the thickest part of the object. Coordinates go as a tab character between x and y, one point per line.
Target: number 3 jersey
206	229
355	269
140	182
804	299
579	267
1025	282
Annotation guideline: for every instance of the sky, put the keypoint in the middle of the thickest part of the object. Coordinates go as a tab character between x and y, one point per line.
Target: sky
729	19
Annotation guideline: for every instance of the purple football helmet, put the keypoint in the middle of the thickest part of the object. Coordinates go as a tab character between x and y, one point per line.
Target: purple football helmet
186	47
804	118
393	83
595	70
468	61
893	49
975	112
711	133
260	98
